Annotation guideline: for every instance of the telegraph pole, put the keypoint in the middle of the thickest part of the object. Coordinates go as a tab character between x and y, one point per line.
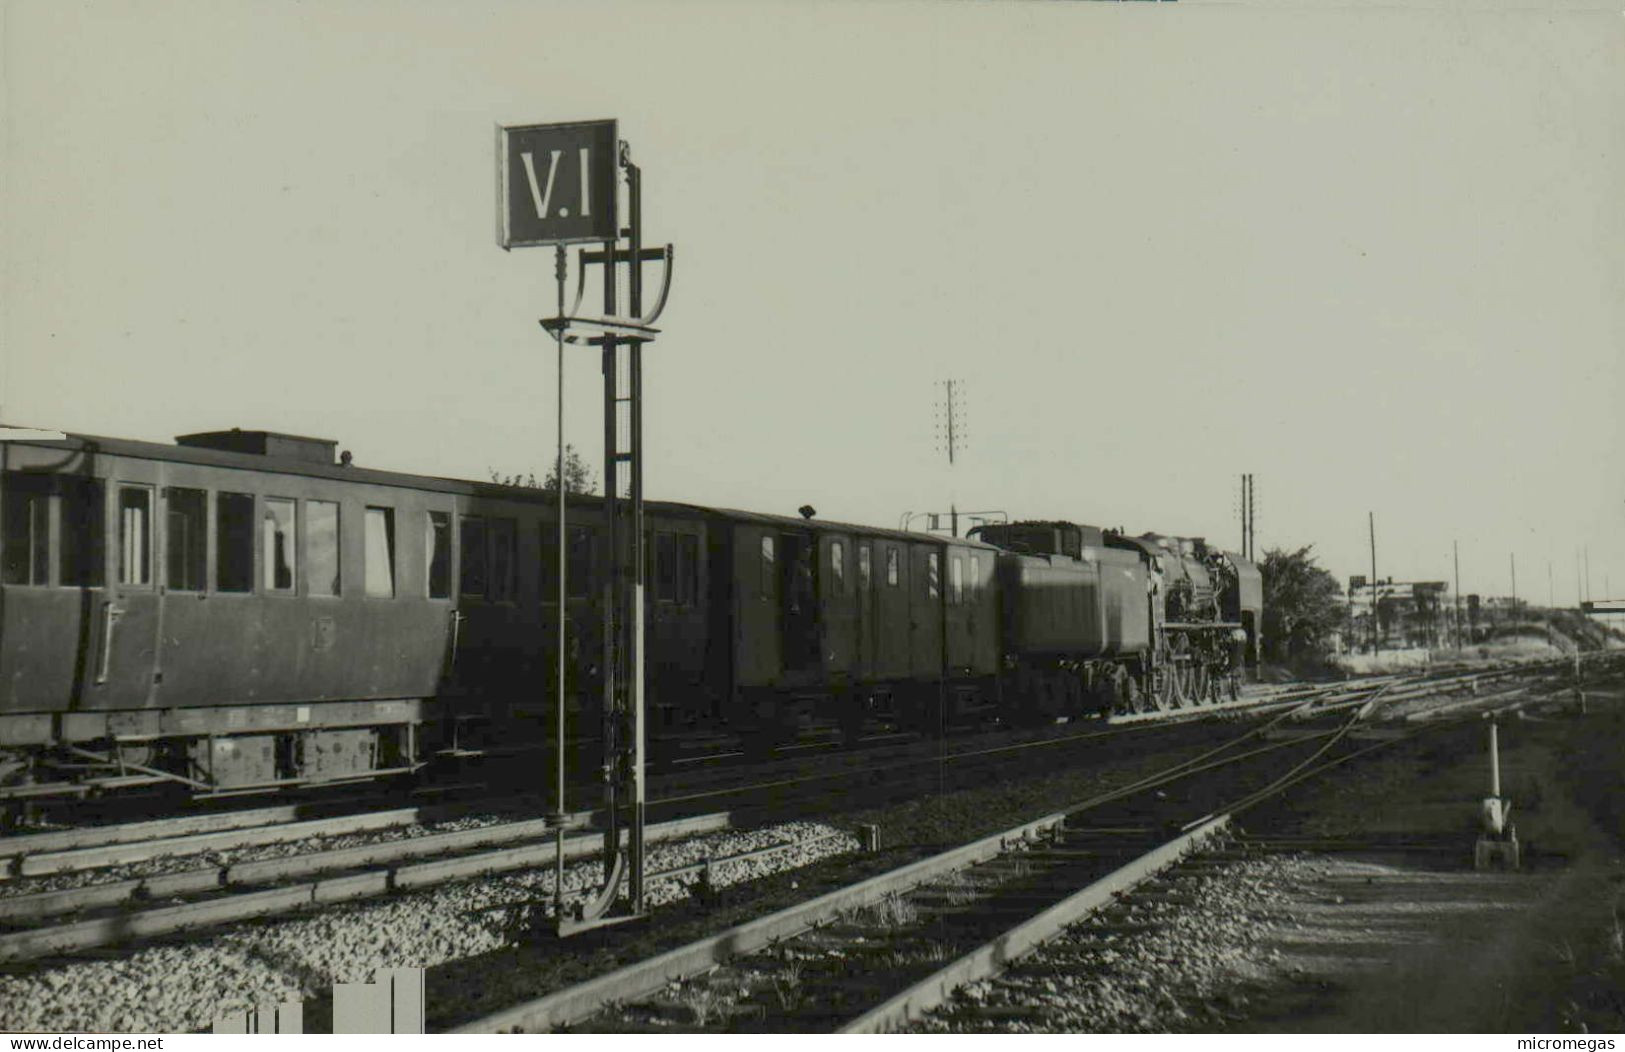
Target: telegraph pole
1252	522
1376	631
950	433
1514	561
1455	557
1243	510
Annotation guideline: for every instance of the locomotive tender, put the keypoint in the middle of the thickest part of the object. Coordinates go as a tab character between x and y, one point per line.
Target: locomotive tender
238	612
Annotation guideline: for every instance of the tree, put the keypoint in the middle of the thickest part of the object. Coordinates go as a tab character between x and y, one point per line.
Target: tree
1301	605
578	478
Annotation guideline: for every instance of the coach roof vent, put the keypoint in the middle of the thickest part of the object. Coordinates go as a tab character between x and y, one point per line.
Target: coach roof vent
265	444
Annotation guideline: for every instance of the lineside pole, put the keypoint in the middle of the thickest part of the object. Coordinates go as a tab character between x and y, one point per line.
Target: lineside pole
612	582
635	655
558	478
1376	593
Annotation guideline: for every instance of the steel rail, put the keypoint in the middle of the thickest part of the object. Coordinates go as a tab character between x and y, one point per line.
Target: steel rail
993	956
102	931
575	1003
645	977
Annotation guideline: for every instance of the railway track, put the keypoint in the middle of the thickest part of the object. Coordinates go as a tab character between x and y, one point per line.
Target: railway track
53	921
207	892
28	854
876	955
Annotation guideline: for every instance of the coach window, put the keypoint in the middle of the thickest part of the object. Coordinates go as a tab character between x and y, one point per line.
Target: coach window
321	547
932	571
474	549
837	568
135	535
865	571
379	552
280	548
83	526
688	569
26	529
438	555
956	581
504	564
583	545
665	567
891	567
768	580
550	563
234	542
187	524
975	583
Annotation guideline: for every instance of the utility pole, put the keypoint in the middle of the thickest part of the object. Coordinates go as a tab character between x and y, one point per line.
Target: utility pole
1588	572
1252	523
951	435
1376	631
1455	556
1243	510
1249	527
1514	560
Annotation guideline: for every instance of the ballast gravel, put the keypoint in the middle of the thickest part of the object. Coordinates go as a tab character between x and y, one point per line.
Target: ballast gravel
179	863
1154	964
183	986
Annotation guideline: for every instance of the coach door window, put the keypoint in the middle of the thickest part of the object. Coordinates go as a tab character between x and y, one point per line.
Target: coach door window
865	571
504	563
665	567
474	549
26	529
379	552
932	584
837	569
583	542
279	539
768	580
321	547
234	542
135	535
439	555
688	569
186	537
891	567
956	581
83	526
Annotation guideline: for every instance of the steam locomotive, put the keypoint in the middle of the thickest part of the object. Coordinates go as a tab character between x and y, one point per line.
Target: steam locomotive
240	612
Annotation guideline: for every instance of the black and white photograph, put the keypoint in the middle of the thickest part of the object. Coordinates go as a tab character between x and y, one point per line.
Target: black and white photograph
939	517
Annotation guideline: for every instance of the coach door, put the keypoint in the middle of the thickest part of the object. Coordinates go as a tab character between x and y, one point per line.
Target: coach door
925	611
863	613
756	606
837	606
801	642
890	631
130	615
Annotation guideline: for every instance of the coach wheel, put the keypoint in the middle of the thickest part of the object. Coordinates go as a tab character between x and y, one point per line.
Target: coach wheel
852	716
760	743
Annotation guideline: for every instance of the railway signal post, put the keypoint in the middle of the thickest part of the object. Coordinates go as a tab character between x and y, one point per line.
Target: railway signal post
558	185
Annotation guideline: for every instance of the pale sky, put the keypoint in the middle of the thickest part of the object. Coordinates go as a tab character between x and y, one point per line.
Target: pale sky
1373	255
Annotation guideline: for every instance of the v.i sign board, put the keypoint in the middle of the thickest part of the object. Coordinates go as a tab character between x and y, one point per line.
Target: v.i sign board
556	183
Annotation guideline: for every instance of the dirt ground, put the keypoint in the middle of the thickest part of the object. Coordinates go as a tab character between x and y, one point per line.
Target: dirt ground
1419	941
